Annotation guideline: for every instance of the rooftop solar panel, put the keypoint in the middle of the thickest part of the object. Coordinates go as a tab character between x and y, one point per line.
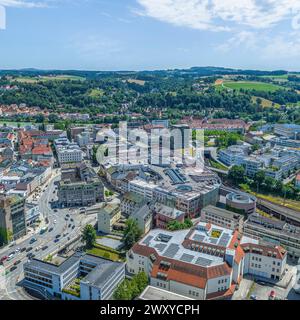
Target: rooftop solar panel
187	257
214	240
203	262
160	247
147	240
172	250
198	237
224	240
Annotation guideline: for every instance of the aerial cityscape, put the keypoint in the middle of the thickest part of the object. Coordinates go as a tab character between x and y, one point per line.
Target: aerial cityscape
122	179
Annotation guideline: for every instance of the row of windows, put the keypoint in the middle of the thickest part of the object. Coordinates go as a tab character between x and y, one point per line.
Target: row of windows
256	259
222	281
193	293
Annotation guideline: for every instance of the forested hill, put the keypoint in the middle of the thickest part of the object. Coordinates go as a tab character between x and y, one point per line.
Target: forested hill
194	71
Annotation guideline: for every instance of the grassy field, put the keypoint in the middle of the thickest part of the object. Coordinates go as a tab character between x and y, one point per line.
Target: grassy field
47	78
96	93
266	103
249	85
139	82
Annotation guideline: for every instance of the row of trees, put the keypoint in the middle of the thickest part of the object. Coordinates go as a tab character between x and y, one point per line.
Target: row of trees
262	183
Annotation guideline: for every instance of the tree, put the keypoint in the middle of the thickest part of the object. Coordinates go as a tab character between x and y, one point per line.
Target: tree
130	289
88	236
132	233
123	292
259	178
237	174
141	281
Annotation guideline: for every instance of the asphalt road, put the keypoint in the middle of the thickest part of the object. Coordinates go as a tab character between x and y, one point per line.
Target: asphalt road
63	227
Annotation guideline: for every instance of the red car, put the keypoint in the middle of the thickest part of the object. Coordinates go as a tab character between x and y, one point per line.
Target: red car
3	259
272	295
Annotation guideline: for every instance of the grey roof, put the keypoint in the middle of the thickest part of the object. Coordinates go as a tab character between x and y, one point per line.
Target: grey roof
103	272
222	212
56	269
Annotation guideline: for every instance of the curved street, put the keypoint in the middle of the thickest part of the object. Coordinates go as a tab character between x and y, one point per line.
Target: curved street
62	229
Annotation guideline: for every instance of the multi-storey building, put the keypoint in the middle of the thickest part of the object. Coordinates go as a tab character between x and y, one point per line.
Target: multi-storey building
131	202
98	277
12	217
108	216
205	262
163	215
287	130
80	186
241	202
278	231
222	217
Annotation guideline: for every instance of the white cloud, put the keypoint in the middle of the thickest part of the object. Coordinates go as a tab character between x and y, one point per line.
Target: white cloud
244	39
220	15
22	4
282	47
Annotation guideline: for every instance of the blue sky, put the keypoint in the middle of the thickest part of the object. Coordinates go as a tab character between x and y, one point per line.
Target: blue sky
149	34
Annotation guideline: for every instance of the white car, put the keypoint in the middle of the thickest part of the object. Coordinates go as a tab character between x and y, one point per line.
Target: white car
54	221
10	257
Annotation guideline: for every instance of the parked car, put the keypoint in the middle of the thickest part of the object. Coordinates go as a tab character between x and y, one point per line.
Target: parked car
272	295
23	249
56	240
28	249
17	262
253	297
13	268
44	248
51	229
4	258
32	240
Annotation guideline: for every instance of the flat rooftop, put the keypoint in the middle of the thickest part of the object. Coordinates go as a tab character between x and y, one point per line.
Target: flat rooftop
170	244
153	293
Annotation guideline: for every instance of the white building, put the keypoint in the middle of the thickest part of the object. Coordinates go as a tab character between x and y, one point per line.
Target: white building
205	262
